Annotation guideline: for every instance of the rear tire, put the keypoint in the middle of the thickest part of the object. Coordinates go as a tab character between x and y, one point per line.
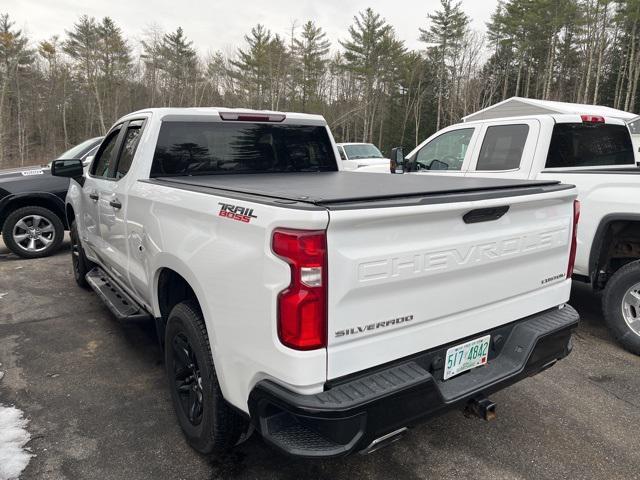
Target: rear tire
80	263
33	232
621	306
207	420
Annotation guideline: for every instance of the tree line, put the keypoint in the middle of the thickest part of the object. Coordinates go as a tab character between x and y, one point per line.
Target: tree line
369	86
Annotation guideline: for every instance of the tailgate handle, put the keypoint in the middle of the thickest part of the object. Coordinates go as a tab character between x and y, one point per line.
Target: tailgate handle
485	214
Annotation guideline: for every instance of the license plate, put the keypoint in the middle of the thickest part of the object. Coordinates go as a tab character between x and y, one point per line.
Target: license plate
466	356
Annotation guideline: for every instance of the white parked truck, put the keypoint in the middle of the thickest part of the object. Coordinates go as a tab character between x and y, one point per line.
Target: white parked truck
358	155
593	152
329	313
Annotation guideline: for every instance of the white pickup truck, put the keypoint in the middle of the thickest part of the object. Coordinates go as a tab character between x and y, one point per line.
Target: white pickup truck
359	155
593	152
328	312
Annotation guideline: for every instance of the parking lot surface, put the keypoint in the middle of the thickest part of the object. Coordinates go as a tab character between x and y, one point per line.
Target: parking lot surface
94	392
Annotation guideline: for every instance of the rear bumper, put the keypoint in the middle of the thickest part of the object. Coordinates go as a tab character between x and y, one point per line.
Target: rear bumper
355	411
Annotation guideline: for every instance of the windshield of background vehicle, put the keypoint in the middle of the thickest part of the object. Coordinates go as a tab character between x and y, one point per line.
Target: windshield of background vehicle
355	152
79	150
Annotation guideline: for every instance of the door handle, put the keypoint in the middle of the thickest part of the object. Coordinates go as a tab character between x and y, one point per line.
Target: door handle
115	203
94	196
485	214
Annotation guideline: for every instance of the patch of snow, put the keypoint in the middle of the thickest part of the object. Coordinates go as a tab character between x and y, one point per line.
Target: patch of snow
13	437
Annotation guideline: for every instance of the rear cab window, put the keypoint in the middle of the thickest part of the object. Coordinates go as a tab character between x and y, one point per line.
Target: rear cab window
575	145
218	148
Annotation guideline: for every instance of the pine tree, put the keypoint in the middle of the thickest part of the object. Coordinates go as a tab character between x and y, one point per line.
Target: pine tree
114	63
179	62
252	64
371	52
311	54
444	38
83	46
15	57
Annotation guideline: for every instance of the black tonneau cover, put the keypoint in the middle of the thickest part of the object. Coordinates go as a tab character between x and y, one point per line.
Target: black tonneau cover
347	189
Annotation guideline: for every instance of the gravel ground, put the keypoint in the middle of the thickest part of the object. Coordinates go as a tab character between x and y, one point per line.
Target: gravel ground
95	395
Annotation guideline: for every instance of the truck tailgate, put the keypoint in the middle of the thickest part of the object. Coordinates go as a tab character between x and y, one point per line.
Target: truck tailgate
408	278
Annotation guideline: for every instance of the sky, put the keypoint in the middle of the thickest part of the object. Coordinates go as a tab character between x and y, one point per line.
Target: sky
221	25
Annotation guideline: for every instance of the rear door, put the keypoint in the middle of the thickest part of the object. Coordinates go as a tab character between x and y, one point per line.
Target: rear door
505	149
406	279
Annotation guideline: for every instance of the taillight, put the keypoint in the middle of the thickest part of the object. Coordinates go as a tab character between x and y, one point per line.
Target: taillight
302	306
574	238
592	118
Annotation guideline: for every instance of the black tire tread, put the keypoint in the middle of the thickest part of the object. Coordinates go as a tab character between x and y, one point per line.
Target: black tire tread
85	265
12	218
611	298
228	425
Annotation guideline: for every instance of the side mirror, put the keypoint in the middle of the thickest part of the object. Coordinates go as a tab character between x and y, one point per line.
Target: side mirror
71	168
397	160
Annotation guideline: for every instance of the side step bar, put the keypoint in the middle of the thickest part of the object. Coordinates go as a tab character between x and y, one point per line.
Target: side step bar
116	300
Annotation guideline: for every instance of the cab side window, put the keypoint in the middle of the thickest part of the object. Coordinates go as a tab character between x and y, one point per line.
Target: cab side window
129	147
106	156
502	147
445	152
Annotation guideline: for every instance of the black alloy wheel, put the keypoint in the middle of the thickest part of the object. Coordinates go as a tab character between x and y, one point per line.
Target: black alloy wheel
187	380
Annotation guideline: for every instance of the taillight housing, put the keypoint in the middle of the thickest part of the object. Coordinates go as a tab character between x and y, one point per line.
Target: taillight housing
574	238
302	306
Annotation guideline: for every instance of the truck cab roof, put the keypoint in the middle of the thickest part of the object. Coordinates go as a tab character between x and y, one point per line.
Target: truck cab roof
555	117
218	114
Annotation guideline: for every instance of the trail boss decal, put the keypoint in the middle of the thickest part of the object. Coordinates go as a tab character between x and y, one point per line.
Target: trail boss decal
373	326
235	212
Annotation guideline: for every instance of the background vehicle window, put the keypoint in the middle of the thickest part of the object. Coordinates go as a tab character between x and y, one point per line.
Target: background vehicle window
106	155
502	147
589	145
128	150
341	152
198	148
81	150
445	152
360	151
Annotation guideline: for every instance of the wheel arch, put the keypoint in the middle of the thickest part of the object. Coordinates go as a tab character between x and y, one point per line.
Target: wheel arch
33	199
173	283
600	254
